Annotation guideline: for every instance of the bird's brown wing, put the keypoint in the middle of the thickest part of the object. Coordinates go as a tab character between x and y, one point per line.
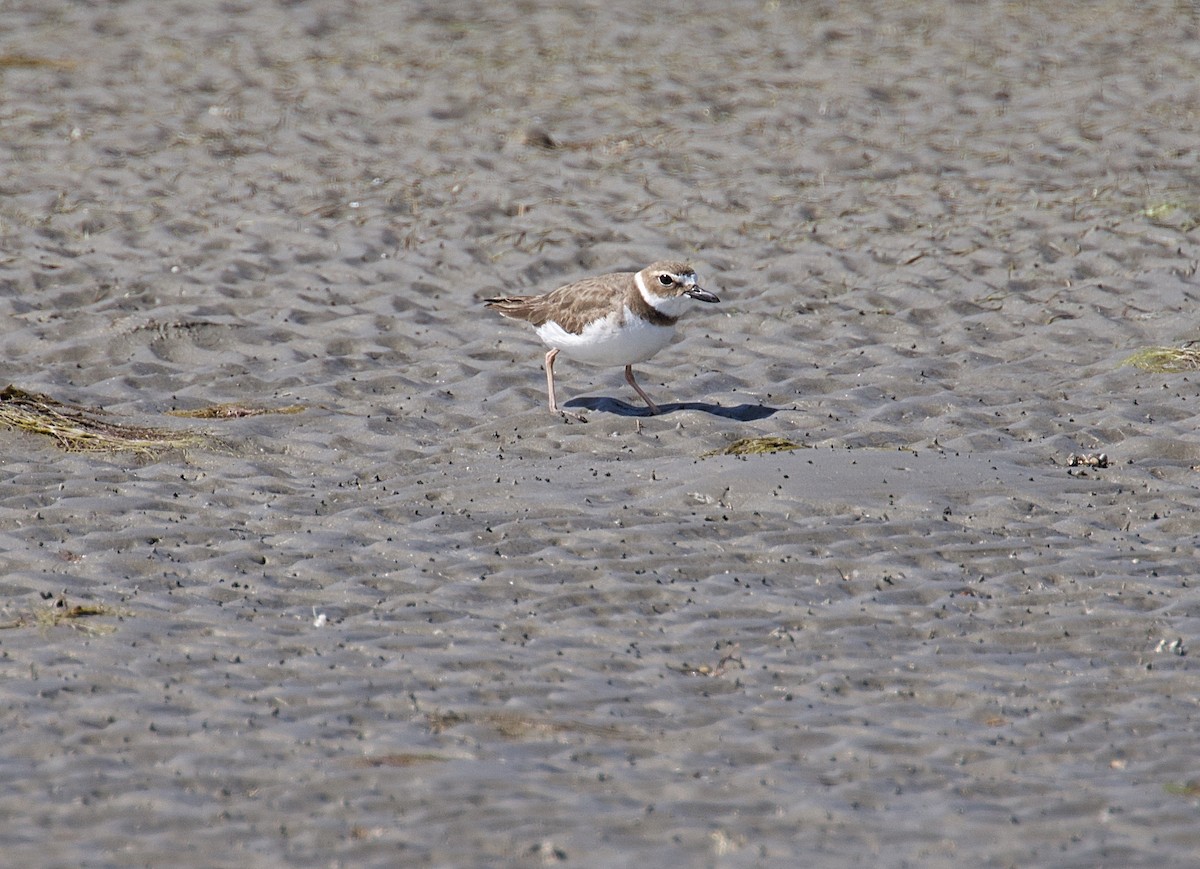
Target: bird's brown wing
572	306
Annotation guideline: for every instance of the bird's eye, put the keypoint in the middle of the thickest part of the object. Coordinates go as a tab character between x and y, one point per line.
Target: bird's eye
666	280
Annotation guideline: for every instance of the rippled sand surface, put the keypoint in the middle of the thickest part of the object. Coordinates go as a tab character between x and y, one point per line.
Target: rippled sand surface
424	622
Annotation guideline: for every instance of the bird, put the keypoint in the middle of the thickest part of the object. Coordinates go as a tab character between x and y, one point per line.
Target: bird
615	319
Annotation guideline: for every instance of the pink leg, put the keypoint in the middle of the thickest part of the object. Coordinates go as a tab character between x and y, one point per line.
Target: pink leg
629	376
550	379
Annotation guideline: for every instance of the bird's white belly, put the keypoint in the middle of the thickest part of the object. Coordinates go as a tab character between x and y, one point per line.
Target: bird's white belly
607	341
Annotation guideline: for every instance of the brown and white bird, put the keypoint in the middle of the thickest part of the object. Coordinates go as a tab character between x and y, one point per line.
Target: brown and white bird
615	319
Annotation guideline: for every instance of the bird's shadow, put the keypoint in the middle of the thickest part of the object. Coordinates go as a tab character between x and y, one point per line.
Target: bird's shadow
741	412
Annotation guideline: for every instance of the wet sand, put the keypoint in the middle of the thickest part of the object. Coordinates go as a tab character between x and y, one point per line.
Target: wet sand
427	623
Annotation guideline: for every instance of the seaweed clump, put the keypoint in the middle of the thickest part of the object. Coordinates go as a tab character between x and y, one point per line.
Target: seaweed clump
756	446
234	411
1165	360
60	612
78	429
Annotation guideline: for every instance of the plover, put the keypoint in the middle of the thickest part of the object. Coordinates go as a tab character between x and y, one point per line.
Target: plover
615	319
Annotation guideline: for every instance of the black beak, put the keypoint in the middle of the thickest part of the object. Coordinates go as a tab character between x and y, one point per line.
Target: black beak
701	295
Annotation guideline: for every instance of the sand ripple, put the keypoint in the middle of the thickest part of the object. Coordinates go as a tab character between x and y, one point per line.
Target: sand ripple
426	623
